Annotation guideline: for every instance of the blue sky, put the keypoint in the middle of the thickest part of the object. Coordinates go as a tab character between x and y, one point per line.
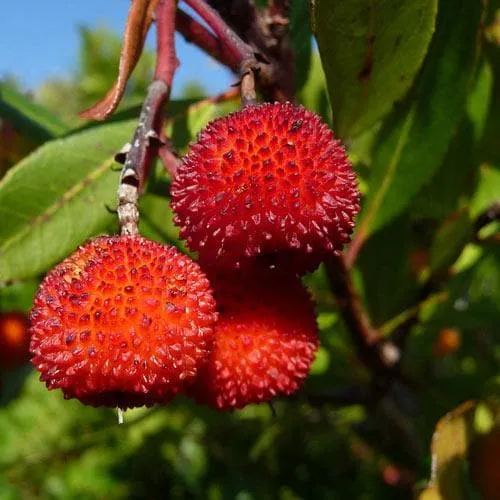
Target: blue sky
39	40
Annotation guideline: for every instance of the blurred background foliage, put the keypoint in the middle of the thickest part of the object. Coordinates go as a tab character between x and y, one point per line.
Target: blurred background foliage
426	151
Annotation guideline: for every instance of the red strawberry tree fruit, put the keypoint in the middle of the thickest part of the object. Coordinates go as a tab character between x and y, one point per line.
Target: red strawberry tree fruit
237	272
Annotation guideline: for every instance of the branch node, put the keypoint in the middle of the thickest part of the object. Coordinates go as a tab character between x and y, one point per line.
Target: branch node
121	156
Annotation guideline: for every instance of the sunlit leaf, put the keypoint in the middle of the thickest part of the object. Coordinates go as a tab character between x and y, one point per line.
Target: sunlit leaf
371	52
27	117
415	138
56	198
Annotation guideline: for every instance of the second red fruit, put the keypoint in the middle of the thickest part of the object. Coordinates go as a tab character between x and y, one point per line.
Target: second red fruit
264	341
268	180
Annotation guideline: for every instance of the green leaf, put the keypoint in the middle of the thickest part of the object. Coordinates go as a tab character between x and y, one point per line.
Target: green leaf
490	151
157	220
371	52
388	272
18	296
479	102
184	126
56	198
415	138
455	437
458	172
313	94
450	239
35	423
300	40
31	119
488	190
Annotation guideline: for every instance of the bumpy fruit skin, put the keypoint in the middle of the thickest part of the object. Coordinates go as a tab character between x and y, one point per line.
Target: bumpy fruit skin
264	341
14	339
265	180
122	322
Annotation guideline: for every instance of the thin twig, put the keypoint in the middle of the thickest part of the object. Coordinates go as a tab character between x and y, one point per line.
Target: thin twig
196	33
491	214
236	49
166	59
394	324
139	158
248	93
168	157
234	44
146	138
266	30
373	350
432	291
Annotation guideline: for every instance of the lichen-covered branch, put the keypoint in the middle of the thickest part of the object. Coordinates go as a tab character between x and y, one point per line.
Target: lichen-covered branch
146	139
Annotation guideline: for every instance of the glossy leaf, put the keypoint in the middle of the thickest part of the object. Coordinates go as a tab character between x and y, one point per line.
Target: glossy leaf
458	172
490	151
390	271
452	443
488	190
479	102
29	118
301	40
314	94
415	138
56	198
371	52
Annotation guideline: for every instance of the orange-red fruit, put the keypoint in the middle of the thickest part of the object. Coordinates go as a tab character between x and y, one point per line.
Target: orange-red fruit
447	342
264	341
123	322
14	339
268	179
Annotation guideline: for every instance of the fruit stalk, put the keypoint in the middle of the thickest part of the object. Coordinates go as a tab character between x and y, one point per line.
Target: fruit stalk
228	38
234	48
266	30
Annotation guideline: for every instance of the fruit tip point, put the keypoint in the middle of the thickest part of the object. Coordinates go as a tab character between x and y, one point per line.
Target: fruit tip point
120	413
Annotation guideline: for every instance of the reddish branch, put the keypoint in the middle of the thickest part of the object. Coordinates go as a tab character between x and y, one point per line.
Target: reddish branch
246	40
166	59
239	50
434	286
355	247
195	33
266	30
235	49
145	141
375	352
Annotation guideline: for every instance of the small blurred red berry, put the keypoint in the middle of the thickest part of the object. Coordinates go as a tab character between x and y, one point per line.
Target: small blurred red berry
14	339
447	342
